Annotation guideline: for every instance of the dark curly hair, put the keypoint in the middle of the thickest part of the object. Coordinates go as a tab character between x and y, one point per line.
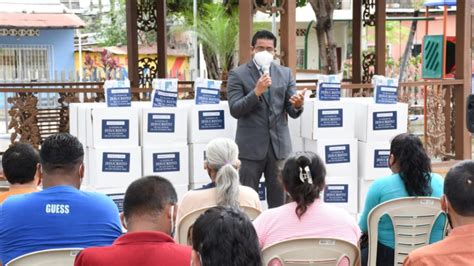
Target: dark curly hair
414	163
226	236
304	192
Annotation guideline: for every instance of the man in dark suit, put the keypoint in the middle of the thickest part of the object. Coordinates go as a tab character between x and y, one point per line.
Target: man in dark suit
261	95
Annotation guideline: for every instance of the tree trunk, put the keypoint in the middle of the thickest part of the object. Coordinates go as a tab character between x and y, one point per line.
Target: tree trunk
212	65
323	10
406	53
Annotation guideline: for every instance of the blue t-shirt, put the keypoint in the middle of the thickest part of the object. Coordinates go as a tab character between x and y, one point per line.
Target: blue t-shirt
392	187
57	217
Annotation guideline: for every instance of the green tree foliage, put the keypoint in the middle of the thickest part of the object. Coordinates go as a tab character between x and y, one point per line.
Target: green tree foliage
113	31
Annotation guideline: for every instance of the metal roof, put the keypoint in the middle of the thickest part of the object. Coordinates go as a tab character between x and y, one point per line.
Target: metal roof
43	20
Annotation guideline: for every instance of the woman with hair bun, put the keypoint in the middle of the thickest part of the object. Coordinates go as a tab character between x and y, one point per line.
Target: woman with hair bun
307	215
411	177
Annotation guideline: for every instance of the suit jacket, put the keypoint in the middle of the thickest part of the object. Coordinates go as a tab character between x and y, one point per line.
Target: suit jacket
261	120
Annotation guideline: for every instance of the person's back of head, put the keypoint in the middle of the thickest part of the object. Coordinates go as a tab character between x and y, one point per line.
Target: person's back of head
304	178
222	157
224	236
412	163
149	205
459	191
19	163
62	160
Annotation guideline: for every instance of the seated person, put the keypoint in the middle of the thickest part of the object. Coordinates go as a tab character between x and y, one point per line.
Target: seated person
149	212
59	216
458	203
222	165
307	215
224	236
411	176
19	164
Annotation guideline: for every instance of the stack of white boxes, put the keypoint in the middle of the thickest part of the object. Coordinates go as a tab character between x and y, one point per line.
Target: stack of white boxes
376	125
164	143
111	144
328	129
205	123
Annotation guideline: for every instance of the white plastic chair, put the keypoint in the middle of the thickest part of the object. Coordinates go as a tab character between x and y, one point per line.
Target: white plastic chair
311	251
412	218
251	212
182	228
48	257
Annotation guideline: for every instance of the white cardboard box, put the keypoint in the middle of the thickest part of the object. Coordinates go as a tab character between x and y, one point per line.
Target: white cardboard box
197	156
327	120
373	159
112	127
169	161
363	189
181	190
378	122
73	118
113	167
164	125
339	155
84	122
341	192
297	141
210	121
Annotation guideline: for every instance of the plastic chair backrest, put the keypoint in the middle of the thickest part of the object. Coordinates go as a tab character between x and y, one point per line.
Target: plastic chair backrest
251	212
412	218
59	256
186	222
311	251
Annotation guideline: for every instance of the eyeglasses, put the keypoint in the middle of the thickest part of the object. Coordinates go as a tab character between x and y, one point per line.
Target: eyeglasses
261	49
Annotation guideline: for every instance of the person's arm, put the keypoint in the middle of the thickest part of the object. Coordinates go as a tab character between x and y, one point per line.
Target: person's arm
239	103
372	200
293	100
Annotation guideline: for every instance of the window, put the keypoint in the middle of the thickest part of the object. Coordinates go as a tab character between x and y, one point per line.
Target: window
25	62
300	58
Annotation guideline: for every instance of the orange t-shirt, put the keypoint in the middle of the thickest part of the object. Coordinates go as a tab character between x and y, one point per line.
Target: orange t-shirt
456	249
15	191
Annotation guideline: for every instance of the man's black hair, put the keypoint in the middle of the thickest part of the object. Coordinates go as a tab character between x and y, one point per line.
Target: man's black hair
264	34
148	195
61	151
19	163
459	188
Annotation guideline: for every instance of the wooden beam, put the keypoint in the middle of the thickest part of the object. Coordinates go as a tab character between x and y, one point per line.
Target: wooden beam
245	30
288	35
132	42
356	41
462	138
161	40
380	42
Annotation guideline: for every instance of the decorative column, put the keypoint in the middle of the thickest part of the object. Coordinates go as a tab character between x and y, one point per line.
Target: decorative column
288	35
356	41
161	40
132	42
380	42
245	30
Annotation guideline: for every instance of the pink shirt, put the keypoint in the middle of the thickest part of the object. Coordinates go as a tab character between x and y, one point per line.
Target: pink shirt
319	220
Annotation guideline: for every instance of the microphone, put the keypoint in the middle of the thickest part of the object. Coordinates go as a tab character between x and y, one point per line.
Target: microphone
266	69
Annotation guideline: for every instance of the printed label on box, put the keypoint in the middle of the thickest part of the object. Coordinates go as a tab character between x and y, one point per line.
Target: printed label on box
385	94
209	120
330	118
336	193
381	158
329	91
115	129
262	191
384	120
118	200
165	99
119	97
338	154
166	162
161	123
116	162
207	96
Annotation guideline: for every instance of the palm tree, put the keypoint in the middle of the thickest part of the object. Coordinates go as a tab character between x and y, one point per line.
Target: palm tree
217	30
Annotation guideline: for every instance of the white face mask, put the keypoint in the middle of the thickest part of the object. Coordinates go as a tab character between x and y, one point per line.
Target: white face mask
263	58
